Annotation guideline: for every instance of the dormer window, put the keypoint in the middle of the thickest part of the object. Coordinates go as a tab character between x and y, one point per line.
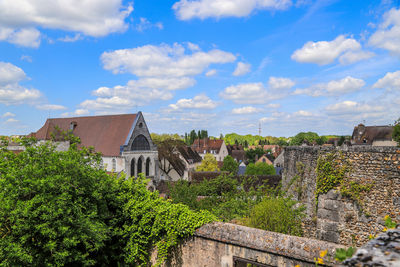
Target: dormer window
73	125
141	125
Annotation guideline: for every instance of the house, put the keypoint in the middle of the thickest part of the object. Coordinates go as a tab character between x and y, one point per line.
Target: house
123	140
264	159
179	163
373	135
237	152
215	147
275	149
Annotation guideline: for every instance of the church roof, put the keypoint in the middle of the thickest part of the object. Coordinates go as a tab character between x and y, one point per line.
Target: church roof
105	133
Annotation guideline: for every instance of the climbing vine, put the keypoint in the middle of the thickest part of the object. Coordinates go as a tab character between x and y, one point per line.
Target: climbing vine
332	170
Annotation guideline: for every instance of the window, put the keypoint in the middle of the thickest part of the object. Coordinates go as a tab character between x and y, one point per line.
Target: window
147	167
73	125
139	165
114	165
140	143
133	167
141	125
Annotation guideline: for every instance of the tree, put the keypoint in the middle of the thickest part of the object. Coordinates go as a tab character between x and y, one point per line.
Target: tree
230	165
59	208
396	132
299	138
252	153
209	164
260	168
168	158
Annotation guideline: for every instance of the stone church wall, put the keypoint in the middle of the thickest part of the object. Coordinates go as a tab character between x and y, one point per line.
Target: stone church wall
337	218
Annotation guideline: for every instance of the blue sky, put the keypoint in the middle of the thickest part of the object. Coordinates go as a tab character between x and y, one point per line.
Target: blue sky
222	65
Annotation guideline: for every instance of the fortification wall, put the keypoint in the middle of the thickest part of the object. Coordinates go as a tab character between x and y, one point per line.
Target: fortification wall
227	245
337	218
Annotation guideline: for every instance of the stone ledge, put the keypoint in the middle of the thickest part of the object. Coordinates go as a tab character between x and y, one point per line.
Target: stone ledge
301	248
354	148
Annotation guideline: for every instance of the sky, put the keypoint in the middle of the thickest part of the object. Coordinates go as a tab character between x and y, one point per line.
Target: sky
220	65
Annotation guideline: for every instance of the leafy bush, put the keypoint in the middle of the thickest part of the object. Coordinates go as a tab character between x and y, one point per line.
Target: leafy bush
396	132
230	165
277	213
208	164
61	208
260	168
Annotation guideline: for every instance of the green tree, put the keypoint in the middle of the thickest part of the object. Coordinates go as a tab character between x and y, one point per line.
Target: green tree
230	165
208	164
396	132
260	168
60	208
252	153
310	137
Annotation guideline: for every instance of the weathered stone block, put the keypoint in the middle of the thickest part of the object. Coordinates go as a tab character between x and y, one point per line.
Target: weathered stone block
332	215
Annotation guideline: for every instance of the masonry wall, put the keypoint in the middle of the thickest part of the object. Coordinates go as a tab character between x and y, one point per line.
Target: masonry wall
220	244
336	218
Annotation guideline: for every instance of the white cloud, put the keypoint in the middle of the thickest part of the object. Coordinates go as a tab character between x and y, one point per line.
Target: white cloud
274	105
267	119
78	112
8	114
352	107
245	110
241	69
246	93
26	58
145	24
302	113
198	102
387	35
163	60
12	120
348	50
11	92
391	81
19	20
202	9
277	83
333	88
71	39
211	72
50	107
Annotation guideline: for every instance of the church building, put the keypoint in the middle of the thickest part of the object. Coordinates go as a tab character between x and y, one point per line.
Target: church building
123	140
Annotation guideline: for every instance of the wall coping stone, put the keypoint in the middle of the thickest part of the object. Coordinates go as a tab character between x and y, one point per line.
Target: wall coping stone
301	248
354	148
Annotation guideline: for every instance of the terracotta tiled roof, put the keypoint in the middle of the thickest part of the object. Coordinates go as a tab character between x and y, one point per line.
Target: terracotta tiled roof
199	145
105	133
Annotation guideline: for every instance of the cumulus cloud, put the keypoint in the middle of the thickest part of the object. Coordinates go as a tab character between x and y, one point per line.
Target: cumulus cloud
333	88
198	102
211	73
279	83
352	107
163	60
19	20
391	81
12	120
50	107
11	92
8	114
71	39
145	24
387	36
348	50
241	69
77	112
186	10
277	105
245	110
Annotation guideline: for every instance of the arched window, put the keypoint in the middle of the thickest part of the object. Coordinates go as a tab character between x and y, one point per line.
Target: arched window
147	167
133	167
140	143
139	165
114	165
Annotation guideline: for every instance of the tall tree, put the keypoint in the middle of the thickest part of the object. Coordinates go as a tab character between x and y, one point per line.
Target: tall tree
209	164
230	165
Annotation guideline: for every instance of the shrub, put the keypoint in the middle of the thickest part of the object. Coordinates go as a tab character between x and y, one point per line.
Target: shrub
277	214
260	168
230	165
61	208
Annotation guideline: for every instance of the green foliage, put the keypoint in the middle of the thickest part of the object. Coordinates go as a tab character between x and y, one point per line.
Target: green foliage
331	170
278	214
189	138
60	208
208	164
230	165
252	153
389	223
396	133
222	196
260	168
251	140
159	138
309	137
342	254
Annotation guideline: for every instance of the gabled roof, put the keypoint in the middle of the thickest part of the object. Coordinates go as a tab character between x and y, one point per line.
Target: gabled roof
189	155
365	135
199	145
105	133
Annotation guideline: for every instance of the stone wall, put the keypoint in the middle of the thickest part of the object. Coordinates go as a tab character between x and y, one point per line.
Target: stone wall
228	245
337	218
